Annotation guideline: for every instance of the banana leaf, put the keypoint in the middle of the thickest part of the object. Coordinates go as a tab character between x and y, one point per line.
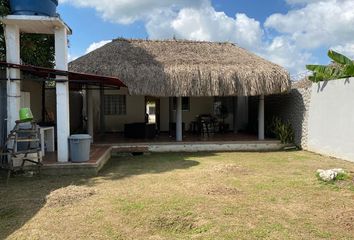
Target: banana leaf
349	70
344	68
339	58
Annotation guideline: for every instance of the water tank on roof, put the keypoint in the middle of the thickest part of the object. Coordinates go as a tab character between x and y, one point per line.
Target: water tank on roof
34	7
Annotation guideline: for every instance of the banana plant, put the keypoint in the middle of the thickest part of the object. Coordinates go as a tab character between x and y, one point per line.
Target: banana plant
343	67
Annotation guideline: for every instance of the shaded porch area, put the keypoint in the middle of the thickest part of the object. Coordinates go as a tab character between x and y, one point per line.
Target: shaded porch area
114	116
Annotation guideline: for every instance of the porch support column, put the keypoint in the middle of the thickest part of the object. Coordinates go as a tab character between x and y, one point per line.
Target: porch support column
179	119
90	113
12	38
261	118
62	94
102	118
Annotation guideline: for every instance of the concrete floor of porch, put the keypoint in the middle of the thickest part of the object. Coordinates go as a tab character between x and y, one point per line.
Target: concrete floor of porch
108	144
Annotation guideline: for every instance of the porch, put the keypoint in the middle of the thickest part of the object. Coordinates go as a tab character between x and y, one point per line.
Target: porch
110	144
115	116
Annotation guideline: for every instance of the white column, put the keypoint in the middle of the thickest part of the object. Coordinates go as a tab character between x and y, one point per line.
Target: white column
179	120
261	118
102	116
62	95
12	38
90	113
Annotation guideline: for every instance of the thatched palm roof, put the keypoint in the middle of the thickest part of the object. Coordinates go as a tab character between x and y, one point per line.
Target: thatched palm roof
184	68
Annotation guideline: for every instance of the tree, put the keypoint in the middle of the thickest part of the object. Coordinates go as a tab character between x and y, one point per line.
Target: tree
342	67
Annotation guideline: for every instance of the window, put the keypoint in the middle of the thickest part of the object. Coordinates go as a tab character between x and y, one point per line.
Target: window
115	104
185	103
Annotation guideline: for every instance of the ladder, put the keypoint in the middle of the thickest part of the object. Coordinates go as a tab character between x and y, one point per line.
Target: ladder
22	144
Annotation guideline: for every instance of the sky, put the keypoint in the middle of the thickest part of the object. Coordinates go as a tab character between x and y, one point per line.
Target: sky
291	33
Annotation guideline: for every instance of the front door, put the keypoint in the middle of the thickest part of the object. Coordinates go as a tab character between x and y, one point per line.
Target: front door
152	106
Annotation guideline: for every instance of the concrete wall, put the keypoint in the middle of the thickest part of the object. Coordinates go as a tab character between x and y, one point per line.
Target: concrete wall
35	90
331	119
135	112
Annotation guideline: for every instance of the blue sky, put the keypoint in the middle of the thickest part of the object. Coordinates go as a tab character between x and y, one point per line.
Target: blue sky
291	33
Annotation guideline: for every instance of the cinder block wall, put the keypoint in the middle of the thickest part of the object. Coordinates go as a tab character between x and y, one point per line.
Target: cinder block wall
292	107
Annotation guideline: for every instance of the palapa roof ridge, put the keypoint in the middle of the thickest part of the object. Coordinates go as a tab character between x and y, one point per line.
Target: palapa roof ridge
178	40
175	67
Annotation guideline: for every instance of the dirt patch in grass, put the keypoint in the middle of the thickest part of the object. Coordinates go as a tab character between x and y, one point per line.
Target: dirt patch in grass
346	183
69	195
346	219
222	191
230	169
176	223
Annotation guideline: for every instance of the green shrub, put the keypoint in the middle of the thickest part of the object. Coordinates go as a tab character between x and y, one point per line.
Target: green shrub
282	130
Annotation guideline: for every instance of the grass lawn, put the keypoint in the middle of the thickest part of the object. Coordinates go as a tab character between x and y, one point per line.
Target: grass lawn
185	196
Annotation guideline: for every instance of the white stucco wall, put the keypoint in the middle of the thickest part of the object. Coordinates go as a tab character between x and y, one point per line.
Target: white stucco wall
34	89
135	112
331	119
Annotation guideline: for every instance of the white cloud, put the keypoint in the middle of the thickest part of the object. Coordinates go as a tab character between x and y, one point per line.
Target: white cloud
96	45
208	25
285	53
294	2
346	49
318	24
128	11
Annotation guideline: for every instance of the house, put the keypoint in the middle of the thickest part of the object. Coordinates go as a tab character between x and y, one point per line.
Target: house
181	79
184	79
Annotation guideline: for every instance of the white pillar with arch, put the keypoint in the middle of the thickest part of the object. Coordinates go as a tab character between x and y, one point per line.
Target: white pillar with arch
179	134
12	38
62	94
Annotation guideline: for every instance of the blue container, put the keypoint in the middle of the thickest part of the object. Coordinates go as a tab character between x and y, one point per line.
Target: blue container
34	7
80	145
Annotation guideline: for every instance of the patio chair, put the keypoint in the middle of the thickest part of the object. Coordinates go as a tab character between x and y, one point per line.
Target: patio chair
207	125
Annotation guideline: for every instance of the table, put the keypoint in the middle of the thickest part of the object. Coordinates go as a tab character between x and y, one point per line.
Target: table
47	139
